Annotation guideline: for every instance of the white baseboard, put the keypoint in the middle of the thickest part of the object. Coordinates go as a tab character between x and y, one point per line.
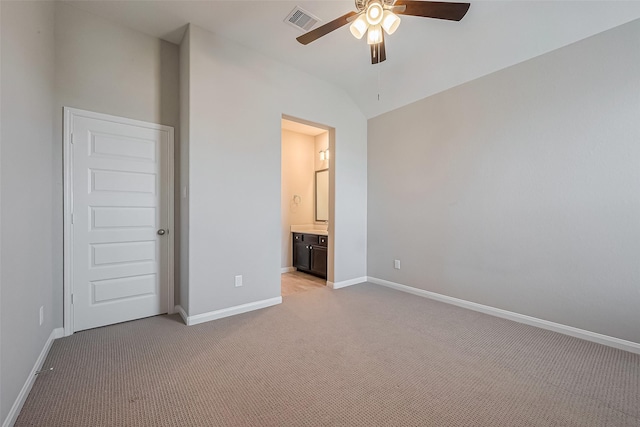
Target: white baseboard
58	333
178	309
287	270
26	388
226	312
345	283
521	318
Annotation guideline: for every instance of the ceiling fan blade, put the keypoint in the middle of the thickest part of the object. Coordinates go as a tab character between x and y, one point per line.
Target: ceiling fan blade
325	29
378	52
432	9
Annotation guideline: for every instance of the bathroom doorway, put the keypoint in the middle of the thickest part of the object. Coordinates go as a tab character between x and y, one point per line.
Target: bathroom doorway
307	205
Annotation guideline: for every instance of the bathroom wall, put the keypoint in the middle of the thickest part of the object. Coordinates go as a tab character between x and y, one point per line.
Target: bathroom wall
321	144
297	180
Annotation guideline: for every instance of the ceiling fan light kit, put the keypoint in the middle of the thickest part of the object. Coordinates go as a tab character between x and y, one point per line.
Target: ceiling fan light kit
376	17
374	12
374	35
390	22
359	27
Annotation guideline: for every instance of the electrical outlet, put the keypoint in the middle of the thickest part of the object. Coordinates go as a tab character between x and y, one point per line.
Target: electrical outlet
238	281
41	315
396	264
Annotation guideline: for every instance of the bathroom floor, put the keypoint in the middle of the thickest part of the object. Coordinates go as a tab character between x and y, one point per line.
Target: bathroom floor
296	281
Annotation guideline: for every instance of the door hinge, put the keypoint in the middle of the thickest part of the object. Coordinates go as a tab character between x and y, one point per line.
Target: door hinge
73	218
72	138
73	298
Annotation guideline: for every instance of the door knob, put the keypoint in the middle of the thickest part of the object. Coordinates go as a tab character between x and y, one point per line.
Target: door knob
161	231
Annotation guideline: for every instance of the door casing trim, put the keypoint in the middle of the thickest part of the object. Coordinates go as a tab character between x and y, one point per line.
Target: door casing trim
67	279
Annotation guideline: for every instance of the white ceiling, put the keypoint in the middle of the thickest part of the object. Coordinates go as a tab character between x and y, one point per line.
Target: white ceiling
424	56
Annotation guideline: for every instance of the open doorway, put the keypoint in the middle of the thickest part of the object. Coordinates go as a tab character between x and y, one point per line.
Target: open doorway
307	246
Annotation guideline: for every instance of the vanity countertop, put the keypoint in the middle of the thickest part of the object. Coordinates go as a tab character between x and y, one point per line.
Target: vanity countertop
306	229
316	232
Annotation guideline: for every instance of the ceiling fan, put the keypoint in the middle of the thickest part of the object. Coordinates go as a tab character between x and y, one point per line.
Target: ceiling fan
375	17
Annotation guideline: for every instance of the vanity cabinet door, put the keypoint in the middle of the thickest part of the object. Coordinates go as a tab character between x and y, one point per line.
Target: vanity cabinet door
319	260
301	256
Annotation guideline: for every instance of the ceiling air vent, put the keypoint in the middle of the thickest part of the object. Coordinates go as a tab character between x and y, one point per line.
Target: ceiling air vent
301	19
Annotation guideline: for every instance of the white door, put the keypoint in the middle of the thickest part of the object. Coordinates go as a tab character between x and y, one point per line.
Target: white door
120	183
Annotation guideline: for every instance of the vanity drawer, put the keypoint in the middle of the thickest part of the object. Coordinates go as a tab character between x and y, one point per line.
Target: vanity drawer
311	239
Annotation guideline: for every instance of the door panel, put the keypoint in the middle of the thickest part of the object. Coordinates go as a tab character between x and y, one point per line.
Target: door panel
105	254
123	288
120	198
122	182
119	217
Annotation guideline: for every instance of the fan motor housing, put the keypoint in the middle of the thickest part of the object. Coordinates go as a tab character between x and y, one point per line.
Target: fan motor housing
362	4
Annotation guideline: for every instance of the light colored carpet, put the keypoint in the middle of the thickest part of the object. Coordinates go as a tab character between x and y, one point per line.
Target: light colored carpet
359	356
297	281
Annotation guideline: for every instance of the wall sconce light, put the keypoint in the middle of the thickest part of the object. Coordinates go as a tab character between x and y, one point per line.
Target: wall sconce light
324	154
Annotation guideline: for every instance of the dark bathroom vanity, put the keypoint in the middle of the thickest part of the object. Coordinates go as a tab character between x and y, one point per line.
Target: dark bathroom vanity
310	253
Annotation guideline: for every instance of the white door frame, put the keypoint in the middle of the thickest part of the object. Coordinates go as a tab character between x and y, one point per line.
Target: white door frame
69	114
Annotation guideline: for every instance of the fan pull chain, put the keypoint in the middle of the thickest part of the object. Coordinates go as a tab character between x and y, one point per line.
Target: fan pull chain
378	85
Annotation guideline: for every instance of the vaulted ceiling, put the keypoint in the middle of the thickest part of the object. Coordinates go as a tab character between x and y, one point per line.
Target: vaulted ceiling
424	56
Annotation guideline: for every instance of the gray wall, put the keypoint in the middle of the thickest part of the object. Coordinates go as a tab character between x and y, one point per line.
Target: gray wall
109	69
520	190
182	178
26	226
1	401
237	99
53	56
